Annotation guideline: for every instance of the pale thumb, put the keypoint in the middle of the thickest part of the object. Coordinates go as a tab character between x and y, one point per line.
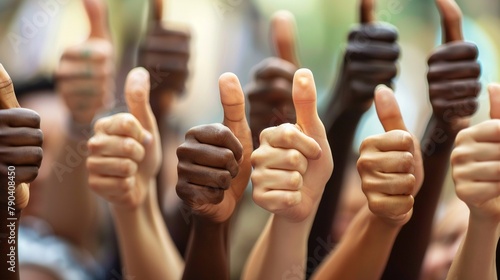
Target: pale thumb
388	109
137	96
494	92
98	18
8	98
283	36
304	100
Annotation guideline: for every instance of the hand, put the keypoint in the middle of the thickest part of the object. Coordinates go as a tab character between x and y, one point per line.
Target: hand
294	162
390	165
125	152
85	74
20	145
270	92
369	60
453	72
475	162
165	54
214	161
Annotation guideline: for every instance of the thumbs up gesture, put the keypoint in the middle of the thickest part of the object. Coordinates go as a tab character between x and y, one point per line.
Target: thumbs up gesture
370	59
475	161
125	152
270	92
294	162
390	164
453	72
165	53
84	76
20	147
214	161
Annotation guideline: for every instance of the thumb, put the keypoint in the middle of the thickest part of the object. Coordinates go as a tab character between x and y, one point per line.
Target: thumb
451	17
367	11
98	18
137	96
233	104
388	109
8	98
283	36
157	10
494	92
304	100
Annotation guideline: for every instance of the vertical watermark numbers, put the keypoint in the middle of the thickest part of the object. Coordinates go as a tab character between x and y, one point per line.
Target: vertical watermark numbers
11	218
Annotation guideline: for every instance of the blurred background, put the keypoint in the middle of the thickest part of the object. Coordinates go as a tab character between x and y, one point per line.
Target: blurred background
233	36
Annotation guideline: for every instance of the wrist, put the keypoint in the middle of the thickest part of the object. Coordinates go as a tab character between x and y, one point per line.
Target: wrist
78	131
484	223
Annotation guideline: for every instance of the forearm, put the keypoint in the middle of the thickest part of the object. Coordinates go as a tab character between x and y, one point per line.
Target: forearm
280	251
411	244
477	254
145	246
363	251
207	255
341	144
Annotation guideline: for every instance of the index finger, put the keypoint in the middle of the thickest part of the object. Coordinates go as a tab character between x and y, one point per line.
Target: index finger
367	11
451	18
125	125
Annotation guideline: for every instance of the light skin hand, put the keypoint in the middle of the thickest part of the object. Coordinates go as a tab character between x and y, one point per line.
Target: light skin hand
290	182
390	164
125	151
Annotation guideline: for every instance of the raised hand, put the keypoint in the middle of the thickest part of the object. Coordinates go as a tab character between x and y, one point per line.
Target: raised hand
213	172
293	162
214	161
21	156
370	59
453	79
391	171
165	54
390	164
291	168
270	92
125	152
85	74
20	144
453	73
475	161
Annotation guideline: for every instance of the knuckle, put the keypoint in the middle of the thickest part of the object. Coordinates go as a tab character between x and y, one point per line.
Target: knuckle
127	167
406	140
223	179
407	162
295	180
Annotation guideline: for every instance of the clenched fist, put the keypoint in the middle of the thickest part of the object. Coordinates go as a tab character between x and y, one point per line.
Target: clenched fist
294	161
214	161
390	164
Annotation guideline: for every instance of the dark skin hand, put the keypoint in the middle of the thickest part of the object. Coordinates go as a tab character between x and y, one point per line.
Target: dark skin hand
369	60
214	170
165	53
454	85
21	150
270	92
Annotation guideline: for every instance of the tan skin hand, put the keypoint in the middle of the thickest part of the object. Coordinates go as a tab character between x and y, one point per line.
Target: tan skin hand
85	74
